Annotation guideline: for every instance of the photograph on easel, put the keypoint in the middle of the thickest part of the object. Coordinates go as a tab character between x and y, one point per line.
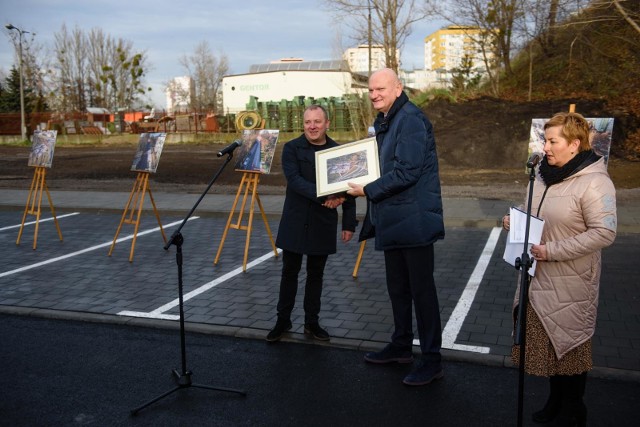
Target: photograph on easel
44	142
600	134
257	150
149	149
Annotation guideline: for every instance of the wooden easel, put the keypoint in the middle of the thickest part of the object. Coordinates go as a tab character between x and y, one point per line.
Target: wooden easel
249	183
140	188
359	259
34	203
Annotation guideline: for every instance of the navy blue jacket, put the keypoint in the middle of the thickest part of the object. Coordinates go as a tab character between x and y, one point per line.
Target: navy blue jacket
405	203
307	227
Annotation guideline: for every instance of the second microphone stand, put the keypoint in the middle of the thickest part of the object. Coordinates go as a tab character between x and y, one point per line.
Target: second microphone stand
523	264
183	377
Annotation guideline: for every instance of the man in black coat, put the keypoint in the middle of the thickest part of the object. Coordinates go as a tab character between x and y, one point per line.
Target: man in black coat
308	225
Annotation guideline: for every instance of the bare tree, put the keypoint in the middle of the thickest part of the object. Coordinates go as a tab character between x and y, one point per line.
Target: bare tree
632	18
69	78
100	46
389	22
207	70
95	70
539	28
496	18
541	20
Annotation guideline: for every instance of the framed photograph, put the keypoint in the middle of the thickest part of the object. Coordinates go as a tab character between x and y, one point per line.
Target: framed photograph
600	133
148	154
257	150
355	162
44	142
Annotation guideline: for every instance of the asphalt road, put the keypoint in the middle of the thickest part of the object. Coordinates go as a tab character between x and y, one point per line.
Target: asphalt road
66	373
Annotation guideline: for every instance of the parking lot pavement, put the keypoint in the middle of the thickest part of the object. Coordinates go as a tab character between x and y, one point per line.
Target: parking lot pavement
475	286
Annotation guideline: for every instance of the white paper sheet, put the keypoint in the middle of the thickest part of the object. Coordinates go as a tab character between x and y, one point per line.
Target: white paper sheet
515	238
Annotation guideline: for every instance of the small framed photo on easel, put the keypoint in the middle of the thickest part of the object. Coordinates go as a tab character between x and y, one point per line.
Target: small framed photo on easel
600	135
149	149
257	150
44	142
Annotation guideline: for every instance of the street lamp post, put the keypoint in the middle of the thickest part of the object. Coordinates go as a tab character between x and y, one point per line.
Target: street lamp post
23	128
369	36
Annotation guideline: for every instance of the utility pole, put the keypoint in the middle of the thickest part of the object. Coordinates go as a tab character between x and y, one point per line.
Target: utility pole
369	40
23	128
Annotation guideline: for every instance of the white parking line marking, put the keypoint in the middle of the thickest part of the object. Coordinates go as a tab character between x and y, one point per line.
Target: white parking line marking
158	312
92	248
41	220
453	326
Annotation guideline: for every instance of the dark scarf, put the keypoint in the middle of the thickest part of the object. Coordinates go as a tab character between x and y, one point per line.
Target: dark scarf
553	174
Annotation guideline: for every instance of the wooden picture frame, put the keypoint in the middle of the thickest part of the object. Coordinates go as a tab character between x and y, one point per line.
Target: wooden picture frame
355	162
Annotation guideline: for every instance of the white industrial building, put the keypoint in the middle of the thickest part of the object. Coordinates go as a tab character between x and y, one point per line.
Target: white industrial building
287	79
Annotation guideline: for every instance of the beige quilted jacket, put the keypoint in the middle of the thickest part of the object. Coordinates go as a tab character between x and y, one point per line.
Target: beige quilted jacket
580	220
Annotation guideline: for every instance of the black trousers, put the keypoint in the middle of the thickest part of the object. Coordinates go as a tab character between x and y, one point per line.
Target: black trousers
410	283
291	265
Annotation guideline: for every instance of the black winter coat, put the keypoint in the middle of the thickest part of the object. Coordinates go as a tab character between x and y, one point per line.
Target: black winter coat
307	227
405	203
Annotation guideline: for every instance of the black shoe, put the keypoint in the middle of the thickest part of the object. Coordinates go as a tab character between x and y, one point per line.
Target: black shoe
315	330
281	327
390	354
424	373
574	417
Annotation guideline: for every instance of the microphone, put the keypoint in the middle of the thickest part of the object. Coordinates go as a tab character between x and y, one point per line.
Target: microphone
229	148
534	159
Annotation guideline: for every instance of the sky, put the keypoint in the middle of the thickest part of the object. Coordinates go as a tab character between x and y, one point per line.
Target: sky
248	32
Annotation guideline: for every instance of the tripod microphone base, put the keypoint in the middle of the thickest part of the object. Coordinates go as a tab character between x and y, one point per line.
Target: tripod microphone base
183	380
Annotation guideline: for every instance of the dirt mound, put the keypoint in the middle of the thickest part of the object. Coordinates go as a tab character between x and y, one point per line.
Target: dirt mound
489	133
482	146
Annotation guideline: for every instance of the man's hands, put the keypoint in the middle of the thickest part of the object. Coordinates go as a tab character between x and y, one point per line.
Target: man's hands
356	190
333	201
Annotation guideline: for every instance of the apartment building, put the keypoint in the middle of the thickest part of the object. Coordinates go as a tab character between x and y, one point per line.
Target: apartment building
445	50
358	58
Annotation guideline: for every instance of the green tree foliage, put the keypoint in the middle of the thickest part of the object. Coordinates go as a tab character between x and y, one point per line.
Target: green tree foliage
464	77
10	93
124	76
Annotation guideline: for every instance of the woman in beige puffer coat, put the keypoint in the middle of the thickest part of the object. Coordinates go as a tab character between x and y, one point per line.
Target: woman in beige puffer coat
575	196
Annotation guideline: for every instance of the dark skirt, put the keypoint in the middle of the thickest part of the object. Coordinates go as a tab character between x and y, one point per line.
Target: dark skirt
540	357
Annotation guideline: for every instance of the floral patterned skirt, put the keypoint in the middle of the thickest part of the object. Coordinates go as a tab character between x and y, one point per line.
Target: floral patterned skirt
540	357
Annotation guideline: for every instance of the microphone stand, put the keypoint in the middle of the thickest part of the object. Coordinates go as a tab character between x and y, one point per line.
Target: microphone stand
183	378
524	263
